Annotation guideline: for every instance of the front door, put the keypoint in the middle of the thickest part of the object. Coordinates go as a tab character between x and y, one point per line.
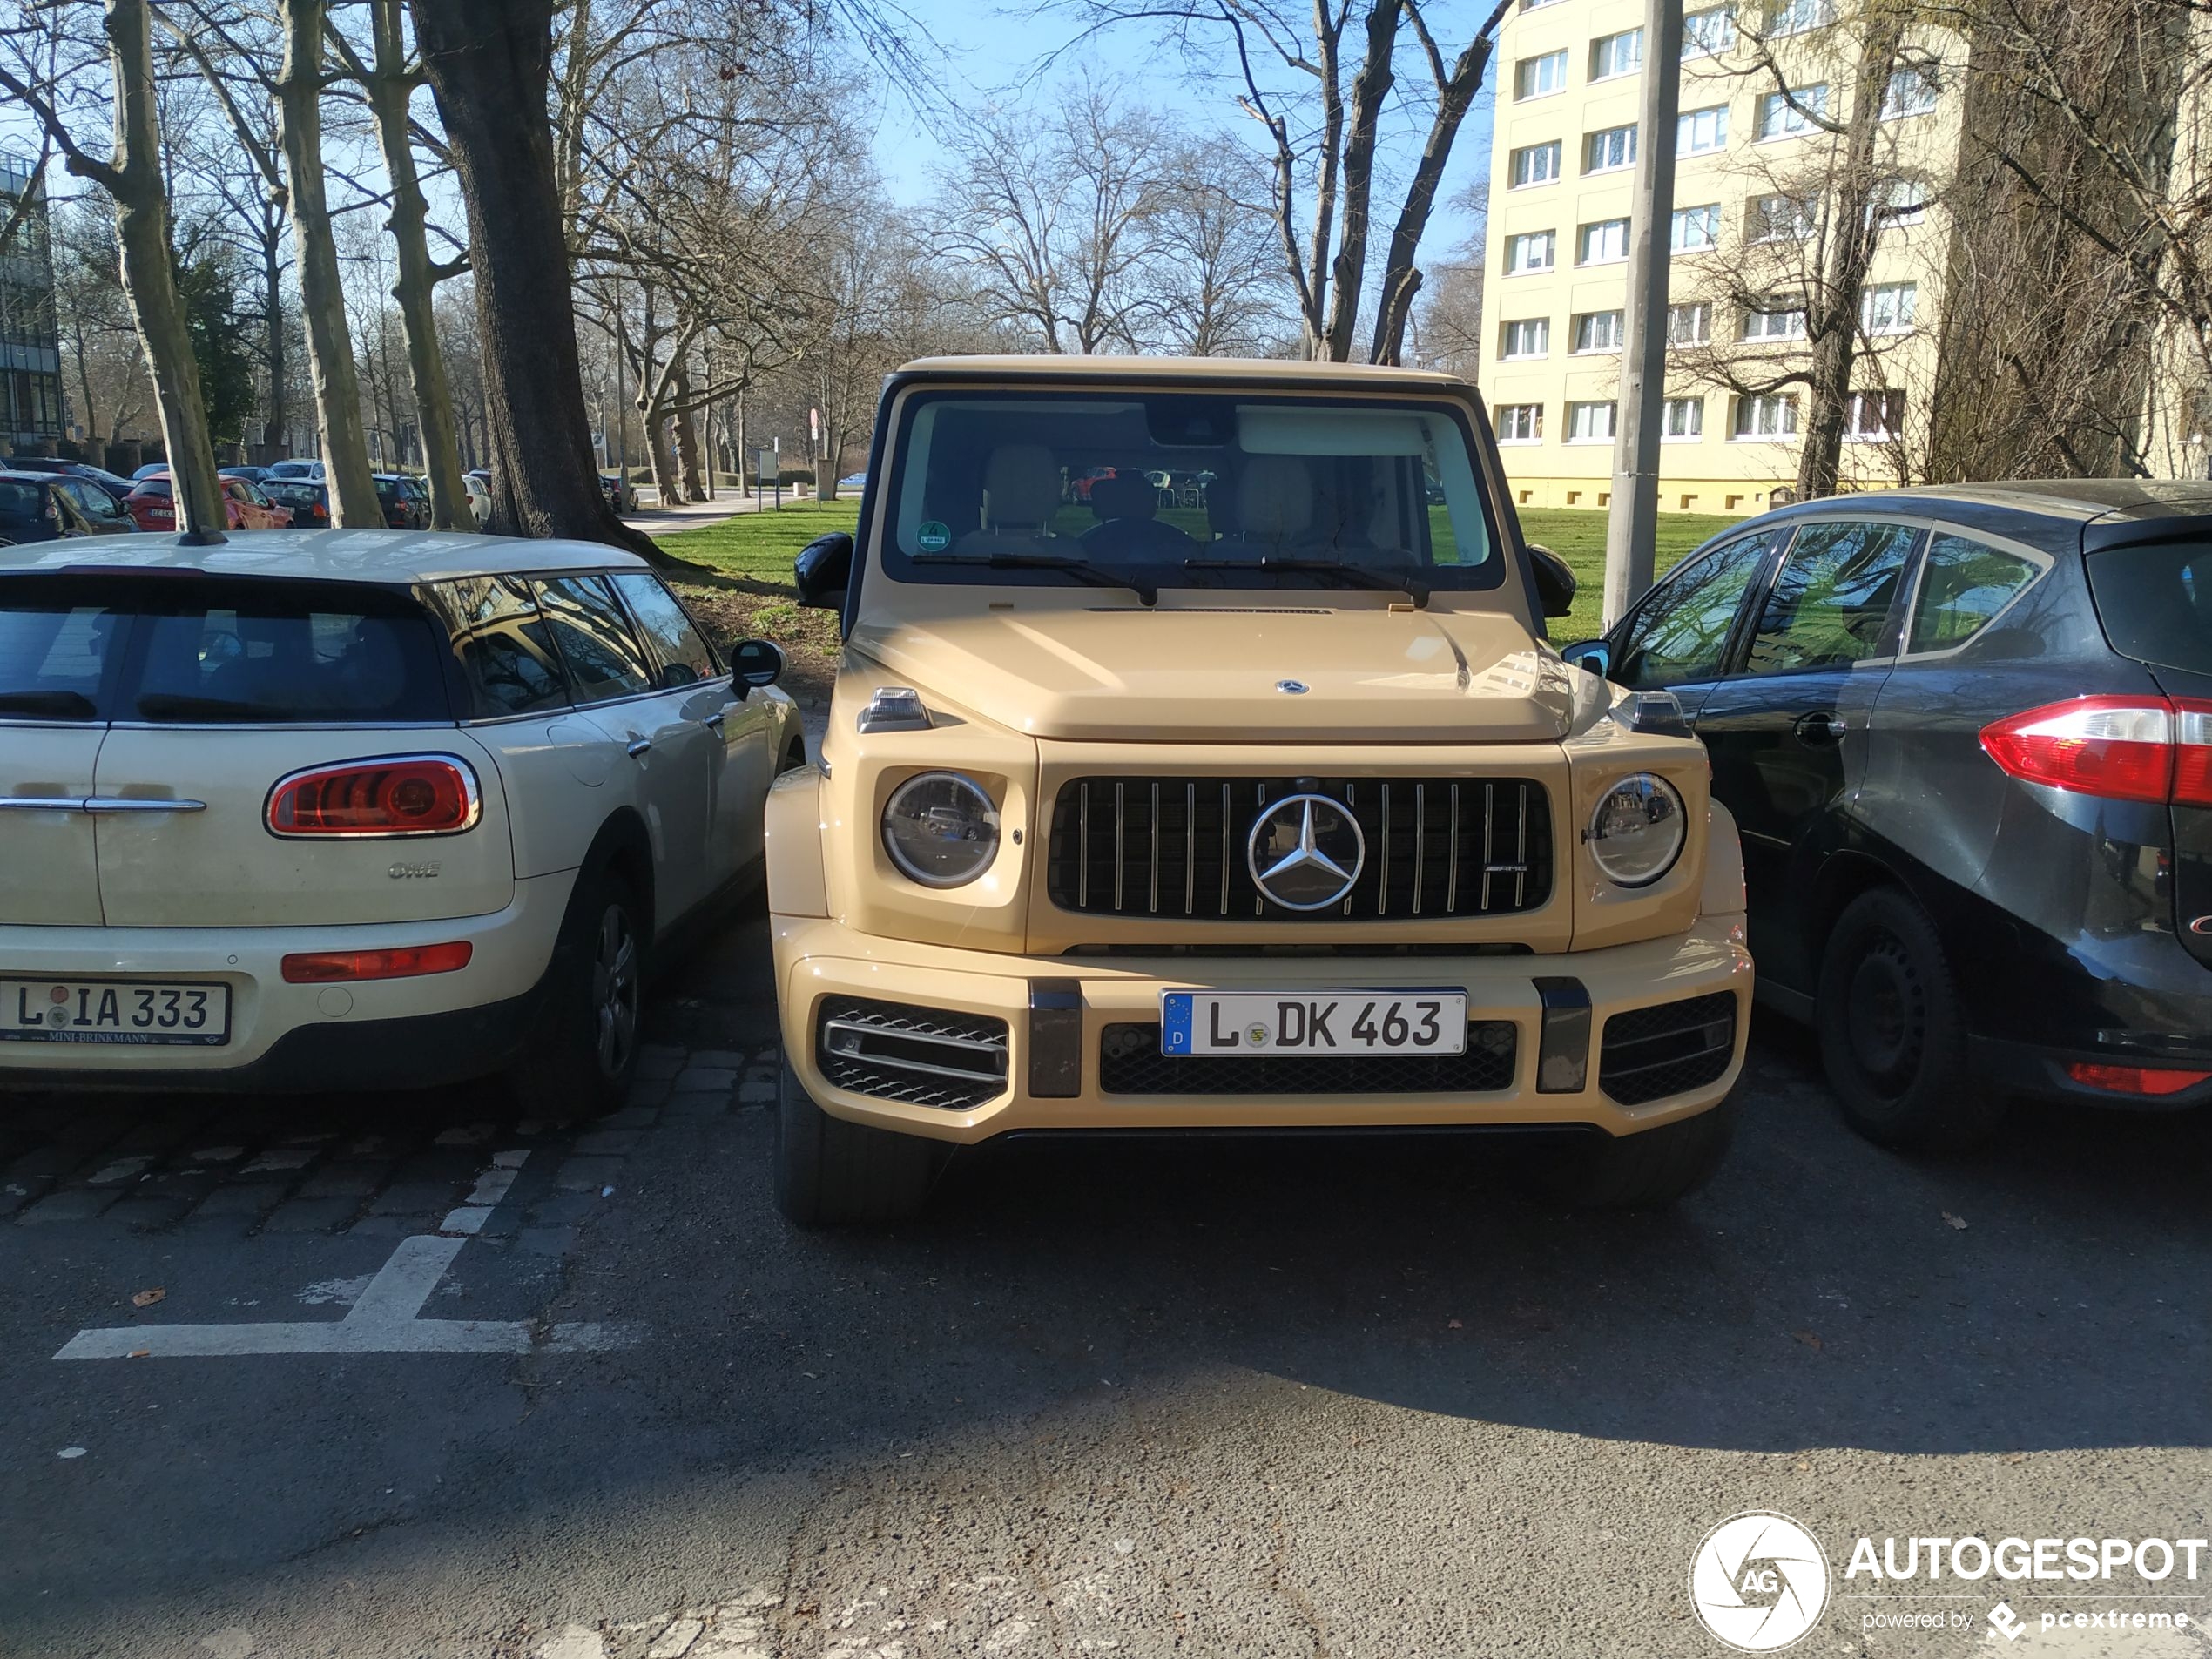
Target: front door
1676	640
1787	730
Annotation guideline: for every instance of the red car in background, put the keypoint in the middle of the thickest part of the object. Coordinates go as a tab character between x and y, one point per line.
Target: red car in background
152	503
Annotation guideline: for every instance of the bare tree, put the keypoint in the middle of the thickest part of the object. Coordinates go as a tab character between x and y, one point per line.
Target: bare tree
1218	286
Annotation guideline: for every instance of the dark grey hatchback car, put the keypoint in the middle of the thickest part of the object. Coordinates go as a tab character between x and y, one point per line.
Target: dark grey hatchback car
1966	735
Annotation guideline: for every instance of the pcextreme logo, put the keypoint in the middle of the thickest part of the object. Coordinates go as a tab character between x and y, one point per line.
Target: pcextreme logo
1759	1582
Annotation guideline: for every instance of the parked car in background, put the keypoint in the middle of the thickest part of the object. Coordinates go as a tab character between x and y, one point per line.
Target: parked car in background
479	498
45	506
115	485
151	504
152	468
405	499
1967	736
621	495
309	471
308	503
255	474
853	480
276	826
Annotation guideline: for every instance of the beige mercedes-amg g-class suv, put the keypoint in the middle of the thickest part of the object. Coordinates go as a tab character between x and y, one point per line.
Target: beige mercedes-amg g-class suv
1197	761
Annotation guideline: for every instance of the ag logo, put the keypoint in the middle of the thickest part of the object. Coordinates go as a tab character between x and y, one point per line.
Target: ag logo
1759	1582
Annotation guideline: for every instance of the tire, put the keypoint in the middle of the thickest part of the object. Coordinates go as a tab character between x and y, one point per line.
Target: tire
830	1173
583	1059
1892	1036
1647	1171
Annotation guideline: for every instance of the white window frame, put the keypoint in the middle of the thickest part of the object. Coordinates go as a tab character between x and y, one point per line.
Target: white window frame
1583	238
1529	71
1781	218
1550	241
1886	215
1782	115
1710	41
1606	63
1892	399
1774	418
1609	149
1919	95
1521	160
1707	215
1787	18
1760	327
1520	423
1701	311
1711	121
1575	412
1900	300
1686	412
1603	325
1542	335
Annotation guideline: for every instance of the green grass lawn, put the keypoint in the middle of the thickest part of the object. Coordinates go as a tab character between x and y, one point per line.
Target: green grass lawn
755	549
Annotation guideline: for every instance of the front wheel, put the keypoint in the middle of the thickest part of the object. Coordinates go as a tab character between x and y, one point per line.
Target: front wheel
583	1062
831	1173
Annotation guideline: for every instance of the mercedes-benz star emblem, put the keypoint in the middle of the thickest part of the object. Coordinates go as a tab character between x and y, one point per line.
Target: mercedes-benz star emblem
1305	851
1292	688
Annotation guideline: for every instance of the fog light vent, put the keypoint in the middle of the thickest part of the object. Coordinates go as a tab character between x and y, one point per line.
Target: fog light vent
921	1056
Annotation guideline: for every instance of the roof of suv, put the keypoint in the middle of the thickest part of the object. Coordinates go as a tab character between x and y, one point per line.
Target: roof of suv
338	555
1289	371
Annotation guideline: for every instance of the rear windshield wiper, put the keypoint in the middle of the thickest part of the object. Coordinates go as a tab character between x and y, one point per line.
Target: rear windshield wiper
1353	576
66	704
171	706
1082	570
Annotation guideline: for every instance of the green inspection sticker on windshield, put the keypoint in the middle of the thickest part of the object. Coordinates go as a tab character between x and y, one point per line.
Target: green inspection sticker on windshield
933	538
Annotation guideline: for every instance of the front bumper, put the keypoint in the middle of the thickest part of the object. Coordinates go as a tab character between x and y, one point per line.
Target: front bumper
377	1034
820	961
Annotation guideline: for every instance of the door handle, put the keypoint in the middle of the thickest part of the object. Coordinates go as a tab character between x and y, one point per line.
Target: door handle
715	720
1821	726
637	747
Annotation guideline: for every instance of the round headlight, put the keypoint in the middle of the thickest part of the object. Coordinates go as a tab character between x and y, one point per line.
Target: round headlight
940	829
1637	832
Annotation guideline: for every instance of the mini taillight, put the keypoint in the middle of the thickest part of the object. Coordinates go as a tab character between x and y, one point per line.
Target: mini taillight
2121	748
412	961
2135	1080
400	795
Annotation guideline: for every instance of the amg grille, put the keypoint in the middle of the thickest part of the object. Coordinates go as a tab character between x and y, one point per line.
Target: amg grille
1436	847
1129	1063
921	1056
1652	1053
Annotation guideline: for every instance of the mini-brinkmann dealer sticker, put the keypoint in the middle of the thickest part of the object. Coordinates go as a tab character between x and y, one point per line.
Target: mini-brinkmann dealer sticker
1759	1582
934	537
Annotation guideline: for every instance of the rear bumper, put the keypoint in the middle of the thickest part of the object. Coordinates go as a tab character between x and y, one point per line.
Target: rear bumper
1058	1082
379	1034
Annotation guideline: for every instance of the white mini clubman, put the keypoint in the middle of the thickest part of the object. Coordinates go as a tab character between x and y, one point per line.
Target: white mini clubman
343	810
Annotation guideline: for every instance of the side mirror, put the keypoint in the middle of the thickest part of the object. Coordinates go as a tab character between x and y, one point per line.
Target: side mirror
1554	581
756	663
1592	654
824	570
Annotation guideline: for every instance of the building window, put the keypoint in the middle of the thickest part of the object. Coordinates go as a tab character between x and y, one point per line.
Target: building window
1795	17
1540	76
1779	319
1682	420
1696	229
1778	219
1597	331
1605	242
1531	251
1535	164
1709	32
1690	324
1887	308
1900	202
1621	54
1531	337
1536	5
1911	90
1609	150
1702	133
1520	423
1764	419
1790	114
1589	423
1876	416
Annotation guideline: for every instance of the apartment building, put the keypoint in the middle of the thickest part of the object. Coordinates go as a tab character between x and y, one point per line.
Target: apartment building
30	358
1758	167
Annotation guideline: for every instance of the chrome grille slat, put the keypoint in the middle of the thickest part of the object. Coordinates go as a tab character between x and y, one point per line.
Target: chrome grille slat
1190	850
1452	875
1121	856
1520	851
1489	822
1083	850
1156	849
1382	874
1421	841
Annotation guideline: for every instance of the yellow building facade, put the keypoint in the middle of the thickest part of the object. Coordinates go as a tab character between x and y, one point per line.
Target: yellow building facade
1757	177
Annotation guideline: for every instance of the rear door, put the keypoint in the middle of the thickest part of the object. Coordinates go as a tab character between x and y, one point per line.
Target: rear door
1787	729
234	685
60	642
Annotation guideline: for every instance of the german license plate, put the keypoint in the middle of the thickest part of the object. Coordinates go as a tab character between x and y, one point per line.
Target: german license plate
1251	1022
126	1012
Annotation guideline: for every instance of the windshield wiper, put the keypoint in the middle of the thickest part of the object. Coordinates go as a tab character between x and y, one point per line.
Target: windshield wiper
1353	576
1096	575
69	704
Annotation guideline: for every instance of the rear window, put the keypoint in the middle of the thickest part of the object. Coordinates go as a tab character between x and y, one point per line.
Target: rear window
21	502
216	651
2156	602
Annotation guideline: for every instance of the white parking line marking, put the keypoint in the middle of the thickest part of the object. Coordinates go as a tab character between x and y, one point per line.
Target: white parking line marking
386	1320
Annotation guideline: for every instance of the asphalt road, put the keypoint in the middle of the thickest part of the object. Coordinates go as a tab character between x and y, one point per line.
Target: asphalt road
1133	1398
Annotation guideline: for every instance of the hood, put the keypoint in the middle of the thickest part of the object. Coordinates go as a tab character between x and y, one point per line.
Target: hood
1213	673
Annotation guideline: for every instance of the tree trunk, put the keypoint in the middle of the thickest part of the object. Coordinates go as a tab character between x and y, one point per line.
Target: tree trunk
687	436
150	276
272	429
489	63
322	295
414	287
1401	280
1369	87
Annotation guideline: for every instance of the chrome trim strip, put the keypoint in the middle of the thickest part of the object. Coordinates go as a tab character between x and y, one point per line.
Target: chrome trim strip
1421	841
1451	873
980	1045
141	804
41	802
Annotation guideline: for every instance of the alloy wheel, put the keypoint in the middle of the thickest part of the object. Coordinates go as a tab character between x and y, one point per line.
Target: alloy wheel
615	991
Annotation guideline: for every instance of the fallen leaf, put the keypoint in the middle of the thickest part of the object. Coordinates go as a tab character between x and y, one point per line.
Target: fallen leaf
147	1298
1958	1222
1808	1339
1453	1324
140	1354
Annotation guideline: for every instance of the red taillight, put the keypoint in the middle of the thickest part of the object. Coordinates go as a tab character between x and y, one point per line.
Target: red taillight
2121	748
2135	1080
323	967
406	795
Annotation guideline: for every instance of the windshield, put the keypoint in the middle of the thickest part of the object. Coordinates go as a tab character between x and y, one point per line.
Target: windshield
1187	490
